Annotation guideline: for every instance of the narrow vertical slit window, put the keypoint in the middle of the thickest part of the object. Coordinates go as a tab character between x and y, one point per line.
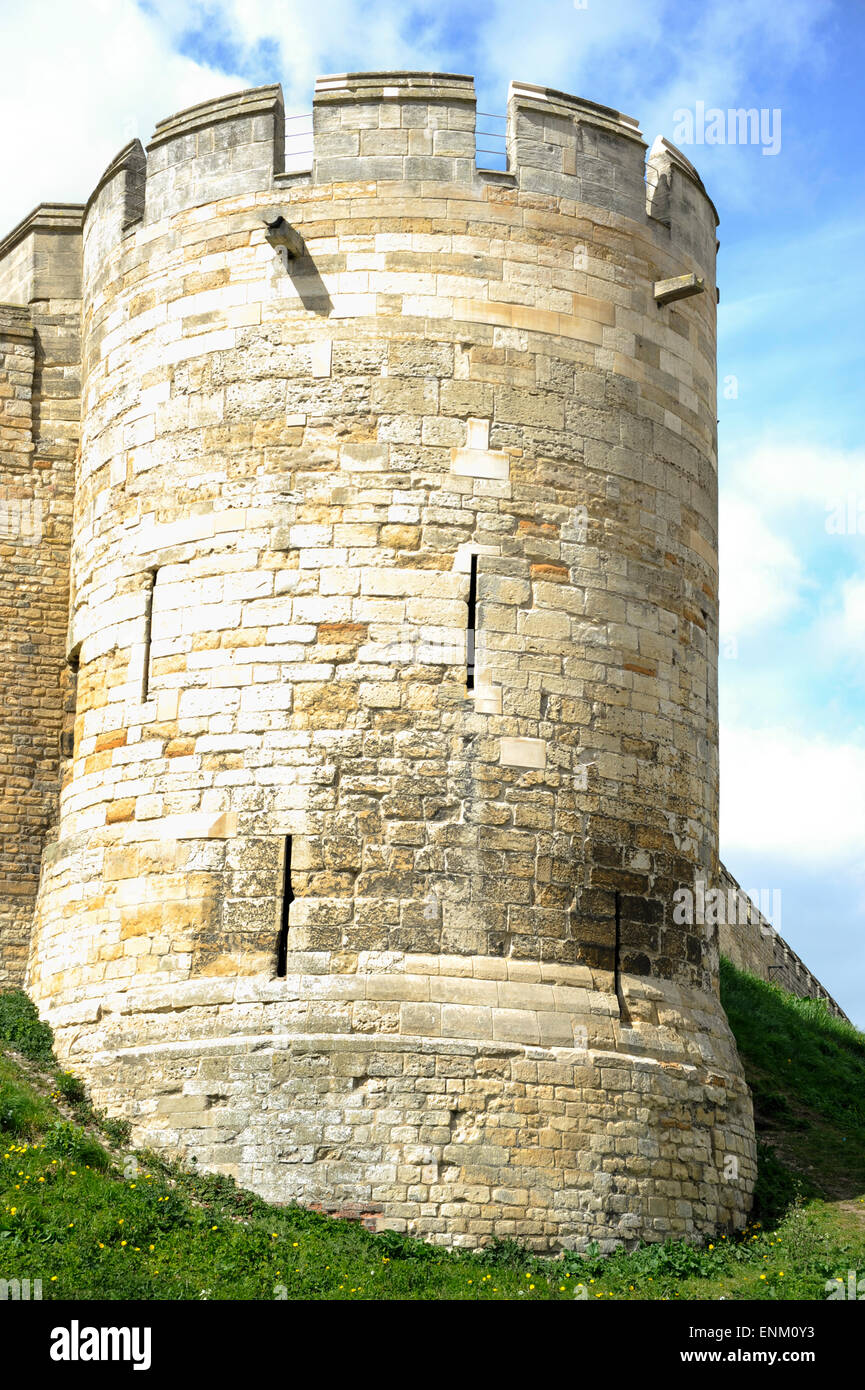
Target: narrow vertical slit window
618	944
287	900
70	704
471	625
148	633
624	1011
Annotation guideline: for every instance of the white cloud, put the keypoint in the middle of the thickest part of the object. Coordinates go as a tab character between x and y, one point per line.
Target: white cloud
309	42
842	634
781	503
79	81
779	476
795	797
761	575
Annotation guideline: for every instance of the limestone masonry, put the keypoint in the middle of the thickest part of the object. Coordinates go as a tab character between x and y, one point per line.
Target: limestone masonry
359	658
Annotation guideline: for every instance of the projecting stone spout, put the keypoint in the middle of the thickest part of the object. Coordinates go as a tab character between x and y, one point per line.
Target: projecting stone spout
280	233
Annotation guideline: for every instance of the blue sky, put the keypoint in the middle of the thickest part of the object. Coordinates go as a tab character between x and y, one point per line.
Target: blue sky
790	321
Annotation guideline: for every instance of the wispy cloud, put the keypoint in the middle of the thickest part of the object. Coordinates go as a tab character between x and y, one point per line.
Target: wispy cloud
110	68
842	630
797	798
79	81
761	575
783	476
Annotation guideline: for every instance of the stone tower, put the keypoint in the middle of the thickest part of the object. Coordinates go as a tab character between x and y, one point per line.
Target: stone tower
393	638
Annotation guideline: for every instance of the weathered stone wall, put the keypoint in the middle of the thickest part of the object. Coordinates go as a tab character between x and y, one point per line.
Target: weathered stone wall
40	291
450	1097
751	942
291	466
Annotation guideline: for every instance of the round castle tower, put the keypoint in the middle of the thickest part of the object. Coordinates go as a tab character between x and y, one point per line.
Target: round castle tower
394	612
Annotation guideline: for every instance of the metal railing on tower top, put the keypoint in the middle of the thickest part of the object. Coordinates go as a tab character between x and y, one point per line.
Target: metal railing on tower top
495	143
490	142
298	142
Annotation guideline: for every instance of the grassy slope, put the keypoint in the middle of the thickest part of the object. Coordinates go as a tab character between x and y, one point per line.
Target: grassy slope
75	1211
806	1071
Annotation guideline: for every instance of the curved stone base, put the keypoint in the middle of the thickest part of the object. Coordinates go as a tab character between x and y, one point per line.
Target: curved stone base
386	1095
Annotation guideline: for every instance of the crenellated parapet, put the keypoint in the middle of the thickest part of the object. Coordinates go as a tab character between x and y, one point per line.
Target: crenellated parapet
115	205
753	943
677	199
216	149
413	128
41	257
570	148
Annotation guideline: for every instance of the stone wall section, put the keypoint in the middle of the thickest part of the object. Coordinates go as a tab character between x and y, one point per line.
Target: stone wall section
40	293
306	459
751	942
452	1098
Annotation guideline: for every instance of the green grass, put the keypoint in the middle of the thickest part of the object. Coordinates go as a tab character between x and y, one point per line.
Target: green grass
91	1221
20	1027
806	1070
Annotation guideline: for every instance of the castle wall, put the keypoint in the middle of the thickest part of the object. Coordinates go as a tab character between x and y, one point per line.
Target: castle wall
298	473
40	290
752	943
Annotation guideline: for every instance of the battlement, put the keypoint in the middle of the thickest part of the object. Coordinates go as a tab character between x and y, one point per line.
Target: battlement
233	144
410	128
407	126
41	257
